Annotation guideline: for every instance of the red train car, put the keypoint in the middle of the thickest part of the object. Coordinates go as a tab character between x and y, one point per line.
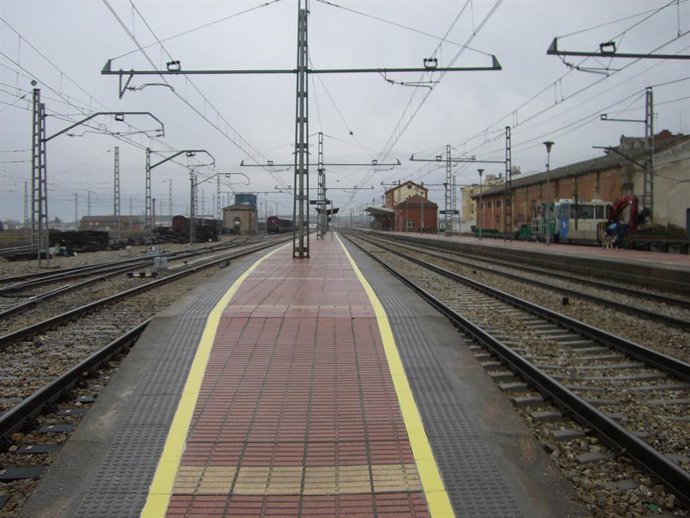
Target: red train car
276	225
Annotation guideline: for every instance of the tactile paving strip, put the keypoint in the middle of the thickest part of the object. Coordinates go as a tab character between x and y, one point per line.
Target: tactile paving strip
297	402
472	479
121	486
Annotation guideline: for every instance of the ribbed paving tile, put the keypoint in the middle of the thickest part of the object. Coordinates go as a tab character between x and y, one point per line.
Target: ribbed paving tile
297	404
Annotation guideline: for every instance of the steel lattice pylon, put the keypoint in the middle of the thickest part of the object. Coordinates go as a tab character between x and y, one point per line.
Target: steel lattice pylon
39	186
321	211
116	187
300	208
508	192
648	189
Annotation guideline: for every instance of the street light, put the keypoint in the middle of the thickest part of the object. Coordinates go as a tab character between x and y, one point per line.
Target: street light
548	145
481	171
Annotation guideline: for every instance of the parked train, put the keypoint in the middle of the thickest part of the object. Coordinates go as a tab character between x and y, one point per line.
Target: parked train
573	222
79	240
205	229
276	225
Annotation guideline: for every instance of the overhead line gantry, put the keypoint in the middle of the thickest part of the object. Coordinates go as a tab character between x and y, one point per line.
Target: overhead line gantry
300	248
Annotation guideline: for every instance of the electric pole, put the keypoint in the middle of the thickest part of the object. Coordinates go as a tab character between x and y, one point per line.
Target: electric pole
148	223
39	190
322	202
648	191
26	205
116	184
170	199
451	210
300	247
39	186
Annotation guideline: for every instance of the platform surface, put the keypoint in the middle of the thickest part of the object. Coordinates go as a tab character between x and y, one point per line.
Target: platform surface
297	412
284	389
623	255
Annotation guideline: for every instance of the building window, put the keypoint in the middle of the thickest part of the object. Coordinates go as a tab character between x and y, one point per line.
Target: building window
488	204
410	224
498	204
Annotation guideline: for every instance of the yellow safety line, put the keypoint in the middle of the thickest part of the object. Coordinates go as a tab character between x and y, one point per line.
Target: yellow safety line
434	490
164	479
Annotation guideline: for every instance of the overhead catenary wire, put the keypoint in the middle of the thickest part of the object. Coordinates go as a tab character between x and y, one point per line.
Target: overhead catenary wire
401	126
199	27
236	139
401	26
72	101
569	97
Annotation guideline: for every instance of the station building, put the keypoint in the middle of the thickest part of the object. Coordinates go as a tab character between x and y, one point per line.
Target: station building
407	208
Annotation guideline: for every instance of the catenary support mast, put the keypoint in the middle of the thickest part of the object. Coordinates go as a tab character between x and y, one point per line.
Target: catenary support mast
300	207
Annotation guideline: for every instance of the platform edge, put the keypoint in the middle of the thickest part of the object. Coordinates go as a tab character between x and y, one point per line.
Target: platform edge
432	483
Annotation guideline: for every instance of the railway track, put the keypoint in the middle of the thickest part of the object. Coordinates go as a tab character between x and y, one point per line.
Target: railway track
673	310
43	360
577	385
28	292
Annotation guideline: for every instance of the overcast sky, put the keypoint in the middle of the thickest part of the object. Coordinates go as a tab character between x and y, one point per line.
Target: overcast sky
63	45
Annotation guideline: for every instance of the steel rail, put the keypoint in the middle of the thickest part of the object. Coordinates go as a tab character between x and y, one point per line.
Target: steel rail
49	323
16	288
14	419
642	353
43	297
38	279
672	301
651	460
87	268
646	313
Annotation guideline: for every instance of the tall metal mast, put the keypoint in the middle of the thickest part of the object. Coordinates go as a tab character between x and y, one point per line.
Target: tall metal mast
648	190
300	208
321	210
116	186
508	192
447	195
302	71
449	184
39	189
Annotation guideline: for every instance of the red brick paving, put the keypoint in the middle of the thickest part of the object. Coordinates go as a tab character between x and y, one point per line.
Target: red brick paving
298	377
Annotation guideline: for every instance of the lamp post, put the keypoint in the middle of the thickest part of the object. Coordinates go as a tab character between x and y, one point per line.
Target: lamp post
548	145
481	171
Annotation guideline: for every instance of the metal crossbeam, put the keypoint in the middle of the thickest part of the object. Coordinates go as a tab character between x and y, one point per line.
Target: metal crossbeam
302	72
373	163
604	53
449	184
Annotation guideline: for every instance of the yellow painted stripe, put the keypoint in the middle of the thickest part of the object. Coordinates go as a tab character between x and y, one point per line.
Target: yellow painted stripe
434	490
164	479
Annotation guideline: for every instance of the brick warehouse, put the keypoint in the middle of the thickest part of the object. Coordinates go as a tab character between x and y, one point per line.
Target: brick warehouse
607	178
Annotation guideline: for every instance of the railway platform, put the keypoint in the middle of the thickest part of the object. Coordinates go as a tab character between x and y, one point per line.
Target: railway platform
302	388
